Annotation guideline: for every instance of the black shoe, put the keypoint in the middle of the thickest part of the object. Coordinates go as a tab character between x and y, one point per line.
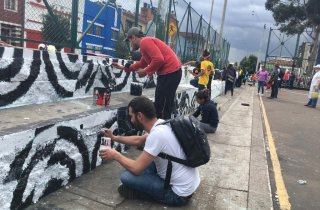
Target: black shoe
306	105
131	194
126	192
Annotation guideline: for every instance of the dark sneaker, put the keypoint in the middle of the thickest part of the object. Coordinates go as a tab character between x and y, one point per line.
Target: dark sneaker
127	192
131	194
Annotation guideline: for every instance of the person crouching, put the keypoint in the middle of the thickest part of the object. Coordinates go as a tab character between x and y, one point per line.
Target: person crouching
208	111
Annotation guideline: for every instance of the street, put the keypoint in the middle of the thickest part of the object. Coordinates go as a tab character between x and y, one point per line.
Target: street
295	131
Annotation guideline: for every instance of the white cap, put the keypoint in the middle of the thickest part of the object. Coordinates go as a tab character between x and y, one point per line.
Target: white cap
317	66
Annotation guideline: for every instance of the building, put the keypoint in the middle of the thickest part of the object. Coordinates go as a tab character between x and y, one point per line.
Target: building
36	9
102	37
128	20
11	21
304	54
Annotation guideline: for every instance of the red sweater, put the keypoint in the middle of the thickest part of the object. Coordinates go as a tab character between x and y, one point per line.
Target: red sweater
156	57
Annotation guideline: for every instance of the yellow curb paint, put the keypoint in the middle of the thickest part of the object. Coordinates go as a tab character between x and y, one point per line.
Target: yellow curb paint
281	188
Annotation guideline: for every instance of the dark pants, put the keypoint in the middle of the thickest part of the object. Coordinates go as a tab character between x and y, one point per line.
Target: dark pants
291	84
209	85
194	83
229	86
274	89
165	93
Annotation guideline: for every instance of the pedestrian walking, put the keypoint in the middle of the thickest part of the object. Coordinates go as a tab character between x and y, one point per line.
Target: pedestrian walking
314	88
229	77
156	57
262	76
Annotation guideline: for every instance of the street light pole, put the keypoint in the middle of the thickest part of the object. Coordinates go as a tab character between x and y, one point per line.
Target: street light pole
209	27
223	17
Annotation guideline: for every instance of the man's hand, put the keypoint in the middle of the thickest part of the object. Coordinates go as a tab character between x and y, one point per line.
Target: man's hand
108	154
141	73
117	66
107	133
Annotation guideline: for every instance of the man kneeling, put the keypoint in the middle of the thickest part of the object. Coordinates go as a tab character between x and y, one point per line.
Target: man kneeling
145	176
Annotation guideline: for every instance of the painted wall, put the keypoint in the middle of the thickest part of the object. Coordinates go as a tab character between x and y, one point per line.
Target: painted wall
32	76
39	161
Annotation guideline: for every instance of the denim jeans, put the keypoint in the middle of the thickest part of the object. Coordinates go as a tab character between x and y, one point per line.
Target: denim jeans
312	102
149	183
261	85
194	83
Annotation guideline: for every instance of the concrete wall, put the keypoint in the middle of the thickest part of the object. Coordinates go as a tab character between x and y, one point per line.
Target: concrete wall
36	162
32	76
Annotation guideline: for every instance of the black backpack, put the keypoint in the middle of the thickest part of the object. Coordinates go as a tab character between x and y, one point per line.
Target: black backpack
193	141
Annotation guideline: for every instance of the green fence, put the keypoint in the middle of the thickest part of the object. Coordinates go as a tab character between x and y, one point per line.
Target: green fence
70	24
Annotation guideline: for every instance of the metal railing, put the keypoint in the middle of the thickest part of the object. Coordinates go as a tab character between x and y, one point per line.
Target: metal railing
99	26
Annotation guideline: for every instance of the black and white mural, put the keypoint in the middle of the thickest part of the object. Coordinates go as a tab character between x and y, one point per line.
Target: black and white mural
32	76
36	162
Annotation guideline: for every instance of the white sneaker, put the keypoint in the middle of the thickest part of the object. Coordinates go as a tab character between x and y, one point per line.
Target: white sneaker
257	93
262	94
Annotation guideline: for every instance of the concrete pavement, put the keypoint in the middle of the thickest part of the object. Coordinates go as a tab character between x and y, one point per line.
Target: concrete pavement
236	177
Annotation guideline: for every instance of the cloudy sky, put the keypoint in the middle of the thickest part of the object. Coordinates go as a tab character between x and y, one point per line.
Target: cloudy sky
244	24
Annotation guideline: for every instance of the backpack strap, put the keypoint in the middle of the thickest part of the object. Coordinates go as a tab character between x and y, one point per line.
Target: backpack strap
172	158
169	167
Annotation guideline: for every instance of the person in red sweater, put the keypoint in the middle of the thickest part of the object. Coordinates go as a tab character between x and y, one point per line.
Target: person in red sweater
156	57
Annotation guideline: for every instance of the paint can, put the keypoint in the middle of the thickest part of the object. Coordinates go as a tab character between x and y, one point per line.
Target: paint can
136	88
105	143
101	96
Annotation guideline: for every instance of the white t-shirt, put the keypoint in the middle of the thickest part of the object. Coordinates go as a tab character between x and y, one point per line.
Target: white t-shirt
184	180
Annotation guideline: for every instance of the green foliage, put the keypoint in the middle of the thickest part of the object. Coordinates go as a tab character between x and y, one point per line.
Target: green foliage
249	63
56	32
121	47
294	16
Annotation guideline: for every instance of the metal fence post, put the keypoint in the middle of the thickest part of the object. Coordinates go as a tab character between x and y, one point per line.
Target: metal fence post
265	60
168	22
74	25
136	17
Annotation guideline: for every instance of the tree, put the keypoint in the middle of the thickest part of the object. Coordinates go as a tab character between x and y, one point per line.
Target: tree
58	32
249	63
121	47
295	17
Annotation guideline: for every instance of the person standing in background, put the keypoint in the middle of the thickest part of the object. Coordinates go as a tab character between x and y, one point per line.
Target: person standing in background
314	88
229	77
262	76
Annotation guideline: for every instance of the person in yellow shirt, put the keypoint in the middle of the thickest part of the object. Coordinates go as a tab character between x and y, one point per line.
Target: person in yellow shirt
203	77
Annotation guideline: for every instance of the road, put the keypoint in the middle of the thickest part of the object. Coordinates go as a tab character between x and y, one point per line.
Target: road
296	133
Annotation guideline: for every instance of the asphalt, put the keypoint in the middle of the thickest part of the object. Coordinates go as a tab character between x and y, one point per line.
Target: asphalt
295	130
236	177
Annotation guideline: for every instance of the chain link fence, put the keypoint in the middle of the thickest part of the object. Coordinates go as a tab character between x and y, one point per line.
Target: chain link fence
99	26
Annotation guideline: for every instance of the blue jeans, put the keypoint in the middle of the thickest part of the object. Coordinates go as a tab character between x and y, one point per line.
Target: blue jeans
194	83
312	102
149	183
261	85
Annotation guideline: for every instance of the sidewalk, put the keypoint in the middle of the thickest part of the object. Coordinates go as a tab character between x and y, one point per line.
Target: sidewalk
235	178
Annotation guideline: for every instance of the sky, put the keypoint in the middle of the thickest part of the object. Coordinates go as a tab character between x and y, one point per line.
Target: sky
243	27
